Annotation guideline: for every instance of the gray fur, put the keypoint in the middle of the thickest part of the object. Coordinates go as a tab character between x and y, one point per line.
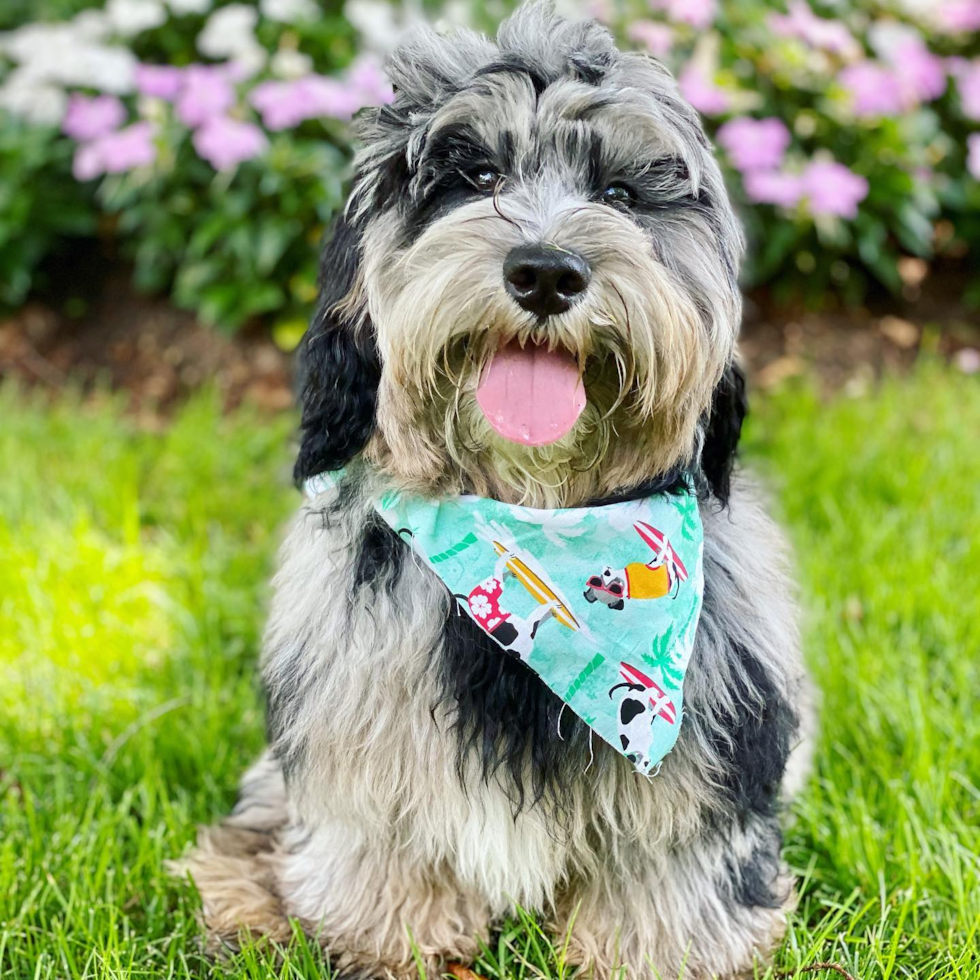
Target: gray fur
364	822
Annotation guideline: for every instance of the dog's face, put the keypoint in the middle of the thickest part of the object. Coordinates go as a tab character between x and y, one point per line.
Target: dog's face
608	587
538	269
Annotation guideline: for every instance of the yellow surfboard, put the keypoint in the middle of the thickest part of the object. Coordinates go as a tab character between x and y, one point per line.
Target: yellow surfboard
539	589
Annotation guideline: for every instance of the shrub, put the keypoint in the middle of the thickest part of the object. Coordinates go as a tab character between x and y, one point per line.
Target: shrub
842	128
217	138
40	205
220	174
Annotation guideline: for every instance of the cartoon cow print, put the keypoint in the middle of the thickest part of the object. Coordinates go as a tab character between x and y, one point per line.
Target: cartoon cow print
642	702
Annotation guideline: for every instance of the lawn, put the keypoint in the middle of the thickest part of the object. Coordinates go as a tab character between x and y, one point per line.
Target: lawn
133	569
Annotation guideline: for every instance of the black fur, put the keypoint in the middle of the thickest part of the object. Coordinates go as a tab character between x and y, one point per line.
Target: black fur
505	712
283	703
752	883
513	64
673	481
380	556
723	430
339	367
507	715
758	742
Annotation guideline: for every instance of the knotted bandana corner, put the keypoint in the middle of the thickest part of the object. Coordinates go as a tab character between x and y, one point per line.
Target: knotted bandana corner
602	603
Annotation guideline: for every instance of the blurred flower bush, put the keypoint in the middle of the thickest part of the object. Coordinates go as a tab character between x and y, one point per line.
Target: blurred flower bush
210	137
847	129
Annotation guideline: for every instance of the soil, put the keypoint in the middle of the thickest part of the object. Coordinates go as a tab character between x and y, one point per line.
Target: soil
156	355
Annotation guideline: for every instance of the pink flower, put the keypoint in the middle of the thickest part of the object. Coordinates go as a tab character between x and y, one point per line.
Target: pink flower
287	104
158	81
955	16
874	89
912	75
371	84
87	164
698	13
828	186
599	10
206	93
973	155
699	89
834	189
225	143
115	153
755	144
921	73
88	118
657	38
785	190
804	25
968	86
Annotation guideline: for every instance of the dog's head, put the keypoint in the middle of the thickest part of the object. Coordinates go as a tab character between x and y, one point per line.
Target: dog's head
532	293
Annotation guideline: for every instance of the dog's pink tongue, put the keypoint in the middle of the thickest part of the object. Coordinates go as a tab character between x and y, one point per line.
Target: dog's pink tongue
531	395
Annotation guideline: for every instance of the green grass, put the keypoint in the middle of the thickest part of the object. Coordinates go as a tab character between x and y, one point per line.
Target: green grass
133	570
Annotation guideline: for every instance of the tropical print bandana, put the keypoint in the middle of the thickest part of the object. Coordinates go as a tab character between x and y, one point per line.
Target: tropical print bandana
602	603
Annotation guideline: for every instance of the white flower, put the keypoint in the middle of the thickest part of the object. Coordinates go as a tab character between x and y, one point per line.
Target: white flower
248	62
229	32
130	17
918	8
35	101
189	6
62	54
490	585
887	37
92	25
480	605
287	63
459	13
289	11
106	69
152	109
376	22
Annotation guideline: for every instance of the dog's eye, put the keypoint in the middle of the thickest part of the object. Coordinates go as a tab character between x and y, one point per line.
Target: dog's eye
619	195
483	179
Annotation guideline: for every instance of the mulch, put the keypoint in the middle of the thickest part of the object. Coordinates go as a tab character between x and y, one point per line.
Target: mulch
155	355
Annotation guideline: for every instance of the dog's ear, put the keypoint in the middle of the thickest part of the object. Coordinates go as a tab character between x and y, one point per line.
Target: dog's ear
339	367
729	406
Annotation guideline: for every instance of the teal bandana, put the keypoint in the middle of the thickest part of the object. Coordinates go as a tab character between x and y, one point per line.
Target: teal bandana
602	603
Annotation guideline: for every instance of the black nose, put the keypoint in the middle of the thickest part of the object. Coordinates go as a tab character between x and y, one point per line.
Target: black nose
545	280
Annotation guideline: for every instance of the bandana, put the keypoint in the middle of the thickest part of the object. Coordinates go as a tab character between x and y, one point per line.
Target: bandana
602	603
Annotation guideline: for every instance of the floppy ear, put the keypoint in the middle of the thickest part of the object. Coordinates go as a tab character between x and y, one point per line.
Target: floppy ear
729	407
339	367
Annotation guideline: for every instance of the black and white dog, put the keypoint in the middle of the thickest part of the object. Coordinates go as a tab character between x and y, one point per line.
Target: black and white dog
540	193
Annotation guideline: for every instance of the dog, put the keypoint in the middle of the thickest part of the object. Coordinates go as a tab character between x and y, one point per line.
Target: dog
657	578
643	701
541	196
514	634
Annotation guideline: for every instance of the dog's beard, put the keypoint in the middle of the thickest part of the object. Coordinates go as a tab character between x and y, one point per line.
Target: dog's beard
648	360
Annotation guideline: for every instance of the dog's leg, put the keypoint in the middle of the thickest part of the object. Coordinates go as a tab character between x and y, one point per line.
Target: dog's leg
376	906
695	912
234	864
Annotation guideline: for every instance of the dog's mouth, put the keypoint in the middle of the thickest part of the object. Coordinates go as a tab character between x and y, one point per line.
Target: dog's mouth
531	394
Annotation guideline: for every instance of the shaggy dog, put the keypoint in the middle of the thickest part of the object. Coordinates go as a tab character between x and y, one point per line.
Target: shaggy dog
540	192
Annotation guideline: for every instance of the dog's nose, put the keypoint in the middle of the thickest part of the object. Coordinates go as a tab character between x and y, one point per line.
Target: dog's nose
545	280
